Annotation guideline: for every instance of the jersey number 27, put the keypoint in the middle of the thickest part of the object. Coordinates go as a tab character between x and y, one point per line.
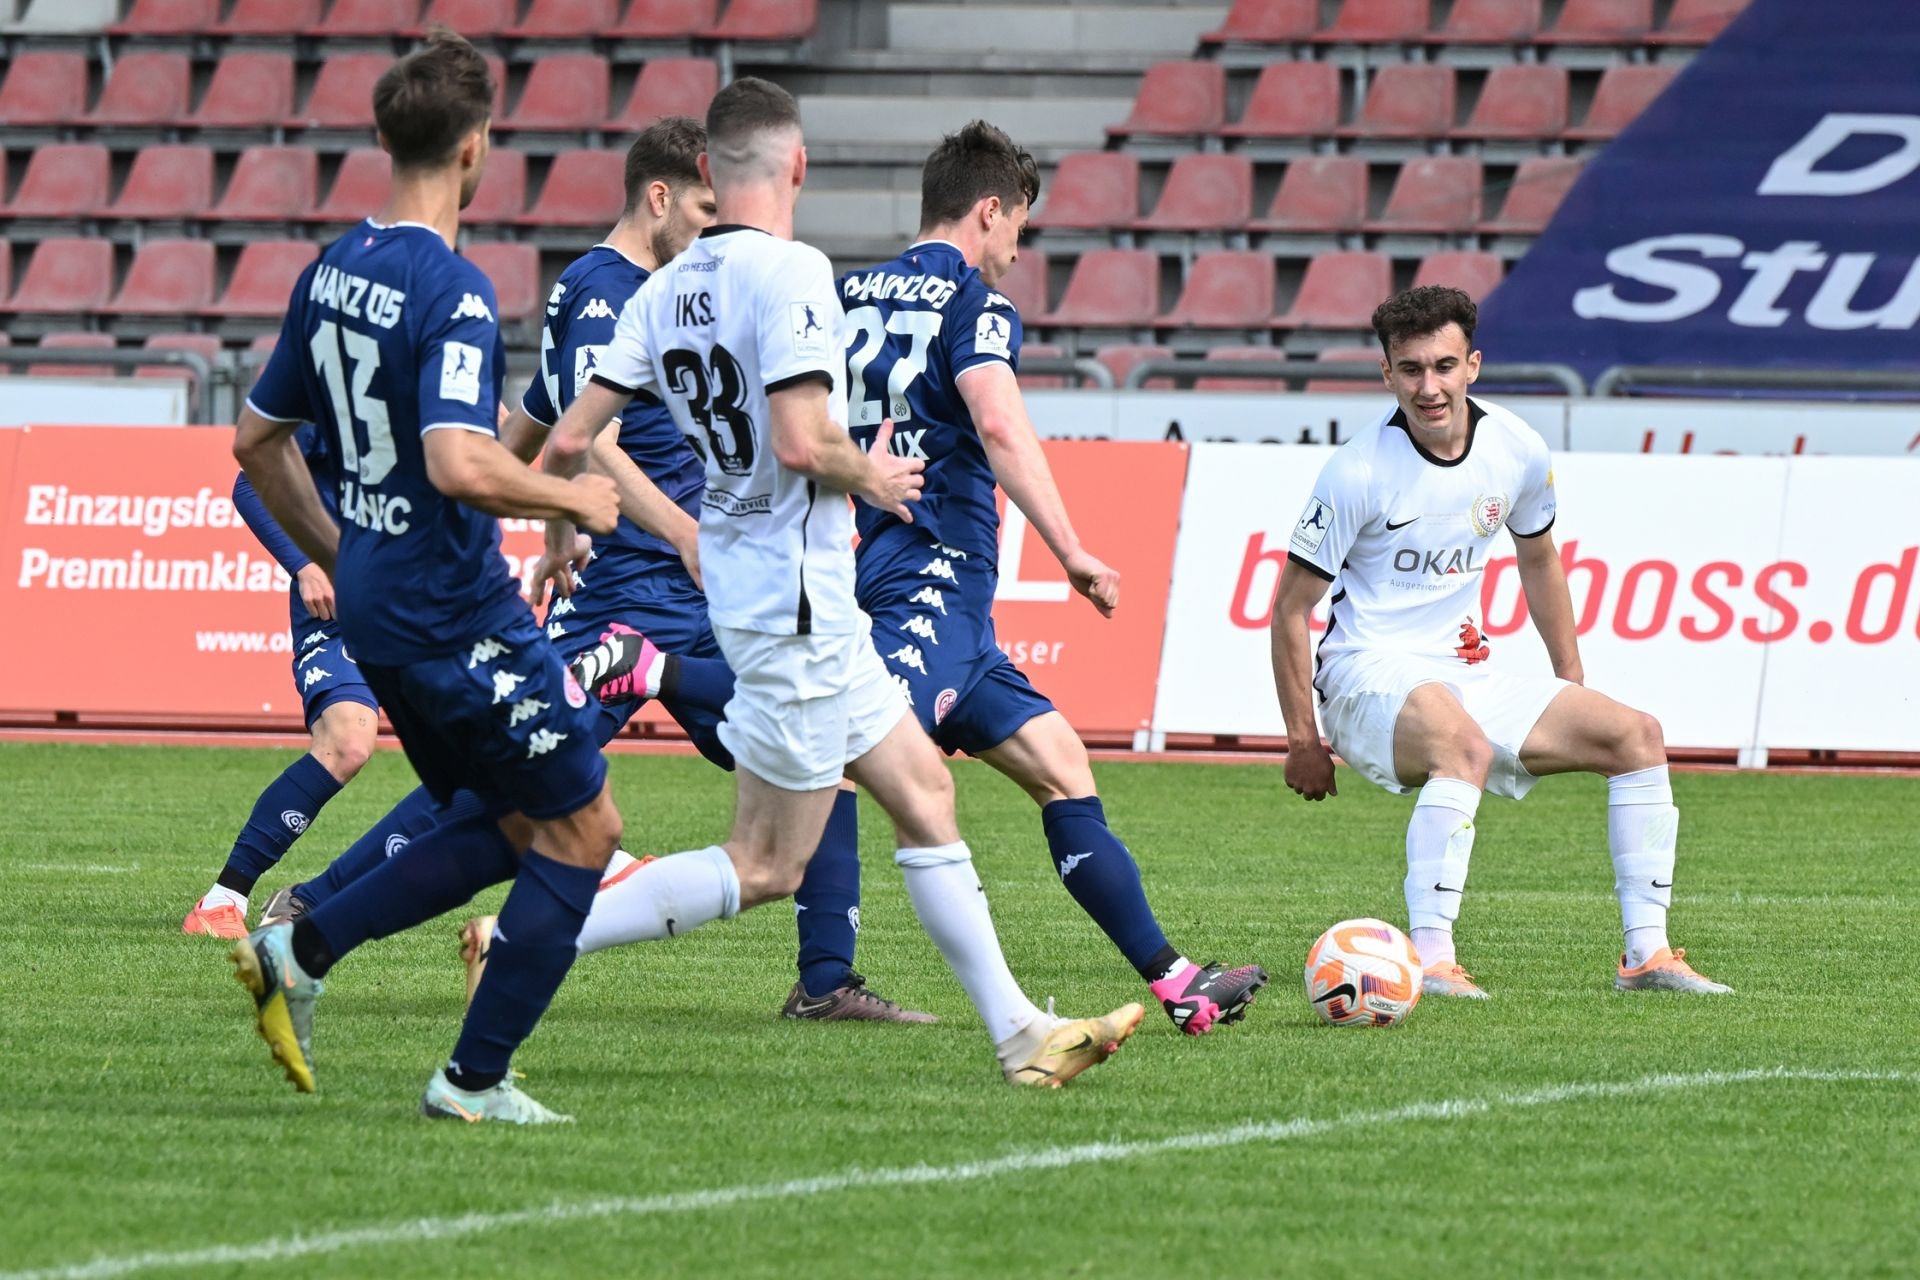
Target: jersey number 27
922	327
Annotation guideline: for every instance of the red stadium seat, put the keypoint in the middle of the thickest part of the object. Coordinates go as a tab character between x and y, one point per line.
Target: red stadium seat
144	89
368	18
1291	100
1221	355
66	277
563	91
565	20
515	272
1204	193
168	18
1121	358
1602	22
1469	269
1435	195
6	271
471	18
1698	21
1025	284
1319	193
1232	289
1538	187
1624	92
271	183
1092	190
1492	22
62	181
583	189
497	70
1520	101
767	20
247	89
270	18
666	19
44	88
342	96
360	187
263	277
503	191
1379	22
1178	98
204	345
1267	22
1340	291
1348	384
1112	289
168	277
1407	102
1040	381
74	342
668	87
167	182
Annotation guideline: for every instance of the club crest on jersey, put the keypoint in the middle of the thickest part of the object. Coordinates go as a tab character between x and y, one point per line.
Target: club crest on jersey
811	334
992	335
596	309
472	307
1488	513
943	704
1313	526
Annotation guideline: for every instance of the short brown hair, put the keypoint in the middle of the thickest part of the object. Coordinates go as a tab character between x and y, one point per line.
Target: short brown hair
746	108
668	150
967	167
1418	312
427	102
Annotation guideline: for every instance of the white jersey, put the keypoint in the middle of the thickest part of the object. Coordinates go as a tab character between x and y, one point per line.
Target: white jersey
737	316
1405	536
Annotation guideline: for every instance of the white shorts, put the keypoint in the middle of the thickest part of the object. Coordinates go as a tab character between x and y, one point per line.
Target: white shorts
1365	692
803	706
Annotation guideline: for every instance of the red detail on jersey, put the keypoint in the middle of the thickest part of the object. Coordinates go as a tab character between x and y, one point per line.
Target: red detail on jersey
1472	648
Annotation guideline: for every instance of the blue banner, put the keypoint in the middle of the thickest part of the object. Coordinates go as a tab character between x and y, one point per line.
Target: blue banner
1765	210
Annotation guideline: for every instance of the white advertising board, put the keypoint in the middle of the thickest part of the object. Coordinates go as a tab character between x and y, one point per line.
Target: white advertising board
1249	417
86	402
1742	427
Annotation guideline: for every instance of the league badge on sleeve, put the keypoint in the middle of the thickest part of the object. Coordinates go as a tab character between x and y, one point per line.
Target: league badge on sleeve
992	335
460	373
810	333
1313	526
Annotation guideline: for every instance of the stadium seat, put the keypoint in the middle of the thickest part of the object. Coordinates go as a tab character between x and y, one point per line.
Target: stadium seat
1227	354
1348	384
144	89
167	182
1379	22
1340	291
6	271
767	20
1492	22
564	20
1538	187
74	342
168	278
474	19
1525	100
1122	357
247	90
62	181
44	87
270	18
583	189
66	277
349	18
1698	21
1436	195
1266	22
263	277
515	272
204	345
64	17
1092	190
1178	99
665	19
1111	289
1026	284
342	96
1041	381
503	191
271	184
168	18
360	186
668	87
1231	289
1467	269
1406	102
1601	22
1204	193
564	91
1317	194
1625	91
1291	100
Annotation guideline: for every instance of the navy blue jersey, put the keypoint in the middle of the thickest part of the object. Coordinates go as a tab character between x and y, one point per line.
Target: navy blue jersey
914	325
581	312
388	336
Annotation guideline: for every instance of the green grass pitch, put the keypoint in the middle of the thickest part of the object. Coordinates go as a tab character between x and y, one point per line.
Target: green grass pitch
1558	1129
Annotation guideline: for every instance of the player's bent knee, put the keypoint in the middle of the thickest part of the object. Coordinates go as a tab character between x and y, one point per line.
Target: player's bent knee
933	855
1465	755
1645	745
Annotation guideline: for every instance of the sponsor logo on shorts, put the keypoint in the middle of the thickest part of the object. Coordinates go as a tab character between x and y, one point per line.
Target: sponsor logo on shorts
900	683
908	655
313	677
940	568
504	683
943	704
922	626
486	651
543	741
930	596
527	708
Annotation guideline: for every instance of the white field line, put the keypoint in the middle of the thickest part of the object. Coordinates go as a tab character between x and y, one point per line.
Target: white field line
1846	901
75	868
282	1248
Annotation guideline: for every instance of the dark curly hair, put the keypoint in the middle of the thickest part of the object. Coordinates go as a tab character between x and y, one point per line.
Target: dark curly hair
1418	312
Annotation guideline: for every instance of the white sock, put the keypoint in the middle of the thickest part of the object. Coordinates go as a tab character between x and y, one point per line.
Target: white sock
653	674
220	895
666	898
1642	829
1439	846
952	907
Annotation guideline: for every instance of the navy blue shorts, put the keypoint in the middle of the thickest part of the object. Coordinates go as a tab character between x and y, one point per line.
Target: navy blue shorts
324	674
502	718
932	610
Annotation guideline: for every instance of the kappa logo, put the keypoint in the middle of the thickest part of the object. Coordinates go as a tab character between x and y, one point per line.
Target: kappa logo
486	651
1072	860
931	597
396	842
908	655
944	704
900	683
472	307
524	710
312	638
314	676
561	607
951	553
296	821
543	741
921	626
555	630
504	683
999	300
939	568
596	309
309	656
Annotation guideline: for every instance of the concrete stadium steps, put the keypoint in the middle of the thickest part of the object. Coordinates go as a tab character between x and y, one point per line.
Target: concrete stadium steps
901	130
1065	30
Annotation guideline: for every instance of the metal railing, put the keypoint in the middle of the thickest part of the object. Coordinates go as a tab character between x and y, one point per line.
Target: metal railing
199	373
1624	379
1562	378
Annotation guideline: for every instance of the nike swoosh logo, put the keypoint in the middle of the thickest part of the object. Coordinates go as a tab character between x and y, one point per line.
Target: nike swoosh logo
1442	888
1403	524
810	1005
1344	989
1667	885
1086	1042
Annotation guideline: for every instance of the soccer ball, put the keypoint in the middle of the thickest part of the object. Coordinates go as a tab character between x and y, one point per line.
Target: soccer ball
1363	973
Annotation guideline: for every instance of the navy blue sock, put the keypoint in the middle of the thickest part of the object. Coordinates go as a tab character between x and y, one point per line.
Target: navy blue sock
407	821
282	812
704	684
1103	878
829	901
434	874
533	947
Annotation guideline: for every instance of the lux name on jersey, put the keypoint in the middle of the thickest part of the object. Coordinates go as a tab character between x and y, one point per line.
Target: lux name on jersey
880	286
335	288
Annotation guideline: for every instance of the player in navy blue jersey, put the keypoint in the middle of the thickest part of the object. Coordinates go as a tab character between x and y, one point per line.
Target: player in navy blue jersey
391	347
932	347
341	715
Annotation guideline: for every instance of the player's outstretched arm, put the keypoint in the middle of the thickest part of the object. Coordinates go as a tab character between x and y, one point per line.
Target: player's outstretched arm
642	502
523	434
1309	768
992	396
267	453
474	468
1544	580
807	439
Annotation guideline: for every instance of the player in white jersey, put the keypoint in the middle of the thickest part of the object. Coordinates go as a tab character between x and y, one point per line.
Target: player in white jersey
1400	527
740	336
